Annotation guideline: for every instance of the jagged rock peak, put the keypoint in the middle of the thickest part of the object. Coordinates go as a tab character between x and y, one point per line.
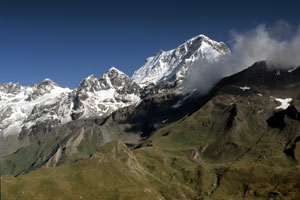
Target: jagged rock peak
10	87
47	83
43	87
90	83
101	96
114	69
113	73
117	79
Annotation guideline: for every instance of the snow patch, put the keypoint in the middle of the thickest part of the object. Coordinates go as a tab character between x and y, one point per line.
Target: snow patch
164	121
245	88
293	69
285	103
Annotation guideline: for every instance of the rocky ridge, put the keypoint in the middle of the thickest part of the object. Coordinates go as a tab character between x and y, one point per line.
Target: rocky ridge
46	103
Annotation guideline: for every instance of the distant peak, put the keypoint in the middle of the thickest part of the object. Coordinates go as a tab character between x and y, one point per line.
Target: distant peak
9	84
48	81
10	87
114	69
202	36
92	76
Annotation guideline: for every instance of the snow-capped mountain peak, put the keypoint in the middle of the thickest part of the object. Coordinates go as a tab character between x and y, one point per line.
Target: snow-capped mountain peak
173	65
24	107
90	83
101	96
218	46
40	89
48	104
18	104
46	84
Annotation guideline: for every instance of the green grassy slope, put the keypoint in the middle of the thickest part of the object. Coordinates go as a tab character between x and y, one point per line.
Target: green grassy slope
202	156
68	143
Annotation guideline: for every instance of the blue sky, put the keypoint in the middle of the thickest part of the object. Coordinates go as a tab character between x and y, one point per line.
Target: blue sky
69	40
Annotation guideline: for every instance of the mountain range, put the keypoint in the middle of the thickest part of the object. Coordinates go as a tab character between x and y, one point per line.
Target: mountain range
47	105
145	137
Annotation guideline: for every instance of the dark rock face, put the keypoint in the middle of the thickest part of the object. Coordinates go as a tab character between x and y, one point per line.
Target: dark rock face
123	83
90	84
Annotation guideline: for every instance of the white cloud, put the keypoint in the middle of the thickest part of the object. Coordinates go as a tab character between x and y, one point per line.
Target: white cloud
279	45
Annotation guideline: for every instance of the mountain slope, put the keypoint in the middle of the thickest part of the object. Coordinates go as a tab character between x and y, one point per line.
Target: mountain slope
109	164
223	148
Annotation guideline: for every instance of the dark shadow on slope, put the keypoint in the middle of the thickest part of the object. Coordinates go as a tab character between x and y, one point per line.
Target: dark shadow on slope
277	120
155	112
290	151
232	115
